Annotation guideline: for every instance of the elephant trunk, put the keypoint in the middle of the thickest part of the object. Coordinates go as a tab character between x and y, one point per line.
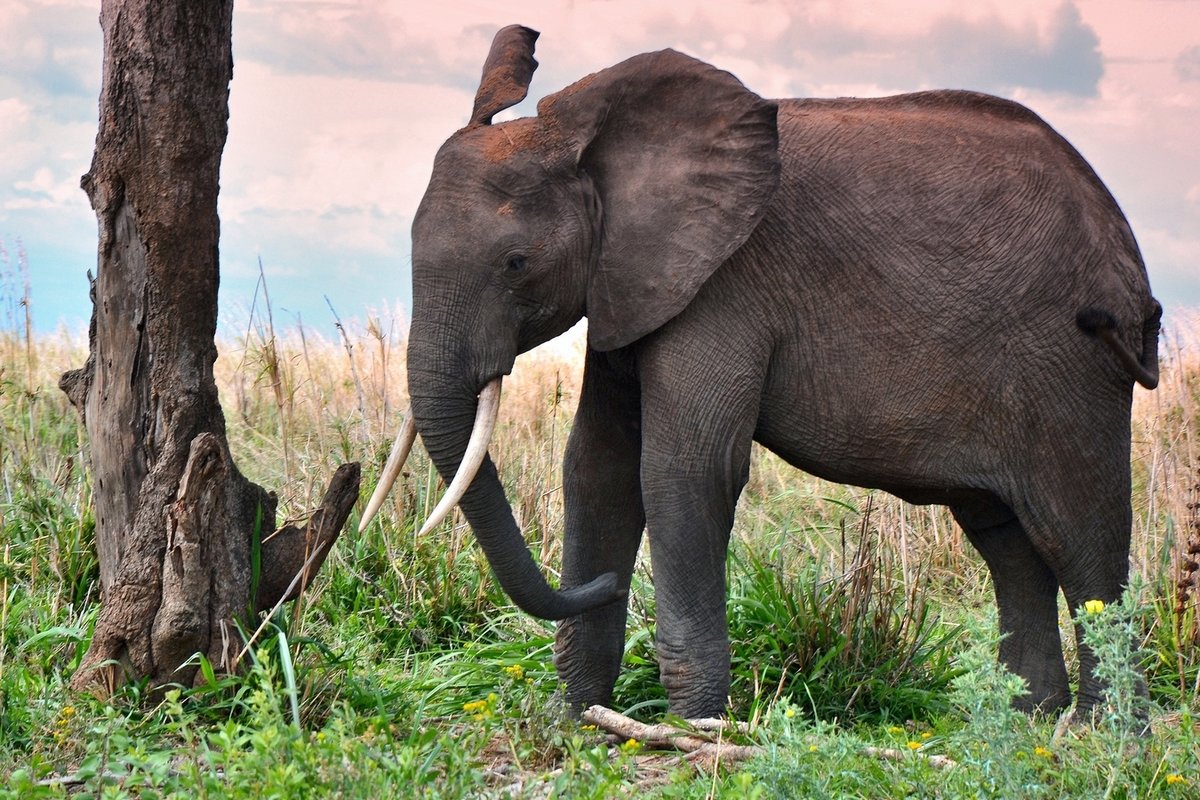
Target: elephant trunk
445	410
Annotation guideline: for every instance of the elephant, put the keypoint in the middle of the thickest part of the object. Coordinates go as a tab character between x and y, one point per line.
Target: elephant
930	294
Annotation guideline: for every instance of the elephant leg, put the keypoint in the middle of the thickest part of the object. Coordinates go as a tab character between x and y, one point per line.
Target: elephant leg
1027	597
604	523
1081	528
695	462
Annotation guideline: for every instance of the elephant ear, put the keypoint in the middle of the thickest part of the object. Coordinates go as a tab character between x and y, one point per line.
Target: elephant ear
506	73
685	159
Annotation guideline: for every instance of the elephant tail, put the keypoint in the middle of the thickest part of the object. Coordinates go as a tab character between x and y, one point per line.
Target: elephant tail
1103	326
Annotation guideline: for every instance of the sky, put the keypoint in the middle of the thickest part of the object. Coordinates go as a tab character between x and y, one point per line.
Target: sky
337	108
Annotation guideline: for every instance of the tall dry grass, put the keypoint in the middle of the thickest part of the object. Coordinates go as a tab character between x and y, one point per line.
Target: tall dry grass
301	400
1166	449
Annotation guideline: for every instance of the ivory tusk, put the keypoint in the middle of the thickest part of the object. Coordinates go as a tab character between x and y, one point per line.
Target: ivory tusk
391	470
481	436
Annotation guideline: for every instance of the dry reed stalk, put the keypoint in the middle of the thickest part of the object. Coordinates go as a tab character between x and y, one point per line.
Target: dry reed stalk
268	351
375	331
1165	433
4	606
27	308
362	400
314	394
1186	610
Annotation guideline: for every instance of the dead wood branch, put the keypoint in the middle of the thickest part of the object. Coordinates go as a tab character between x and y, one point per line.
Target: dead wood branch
288	561
703	751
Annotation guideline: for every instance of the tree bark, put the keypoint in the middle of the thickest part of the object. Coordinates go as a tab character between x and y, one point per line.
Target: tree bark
175	520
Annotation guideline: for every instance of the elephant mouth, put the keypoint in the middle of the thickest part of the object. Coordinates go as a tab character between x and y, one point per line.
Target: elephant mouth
487	411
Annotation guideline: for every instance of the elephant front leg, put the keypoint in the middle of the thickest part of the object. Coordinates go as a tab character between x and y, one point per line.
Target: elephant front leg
688	544
604	523
695	462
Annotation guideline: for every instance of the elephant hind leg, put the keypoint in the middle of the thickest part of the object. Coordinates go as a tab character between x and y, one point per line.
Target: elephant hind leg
1027	598
1080	525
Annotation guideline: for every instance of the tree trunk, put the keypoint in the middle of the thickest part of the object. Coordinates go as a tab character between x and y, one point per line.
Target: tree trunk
176	522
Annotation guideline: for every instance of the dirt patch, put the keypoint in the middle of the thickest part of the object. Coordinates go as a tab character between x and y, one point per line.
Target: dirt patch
645	771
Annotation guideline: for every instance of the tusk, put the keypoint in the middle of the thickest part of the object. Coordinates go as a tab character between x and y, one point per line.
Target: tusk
391	470
481	435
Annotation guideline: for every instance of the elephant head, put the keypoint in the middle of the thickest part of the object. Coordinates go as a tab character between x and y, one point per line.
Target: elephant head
616	202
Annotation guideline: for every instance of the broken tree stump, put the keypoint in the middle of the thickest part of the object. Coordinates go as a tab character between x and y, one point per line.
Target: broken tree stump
177	525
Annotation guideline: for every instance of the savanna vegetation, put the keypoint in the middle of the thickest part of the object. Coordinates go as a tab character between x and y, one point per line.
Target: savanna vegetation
863	629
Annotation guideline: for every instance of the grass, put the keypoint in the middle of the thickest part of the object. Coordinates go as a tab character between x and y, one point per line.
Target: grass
856	621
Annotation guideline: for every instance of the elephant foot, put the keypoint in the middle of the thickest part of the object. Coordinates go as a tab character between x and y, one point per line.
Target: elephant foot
1091	707
1044	703
580	701
706	708
587	656
695	692
1092	716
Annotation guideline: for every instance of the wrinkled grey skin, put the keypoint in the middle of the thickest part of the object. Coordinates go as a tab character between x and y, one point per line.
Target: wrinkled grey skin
930	294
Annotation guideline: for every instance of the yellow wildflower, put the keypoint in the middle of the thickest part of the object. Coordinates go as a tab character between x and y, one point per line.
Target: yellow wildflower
791	712
895	729
926	735
1041	751
1093	606
631	746
1174	778
68	711
515	671
482	709
914	745
812	748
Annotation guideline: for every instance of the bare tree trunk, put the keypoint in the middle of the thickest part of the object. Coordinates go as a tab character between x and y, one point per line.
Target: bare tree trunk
175	520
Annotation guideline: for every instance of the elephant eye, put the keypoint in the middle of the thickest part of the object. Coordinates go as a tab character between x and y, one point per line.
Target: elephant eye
516	263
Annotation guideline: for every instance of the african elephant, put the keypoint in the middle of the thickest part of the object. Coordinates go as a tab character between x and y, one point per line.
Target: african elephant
930	294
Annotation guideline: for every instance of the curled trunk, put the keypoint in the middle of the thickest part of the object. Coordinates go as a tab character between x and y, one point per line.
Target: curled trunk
445	413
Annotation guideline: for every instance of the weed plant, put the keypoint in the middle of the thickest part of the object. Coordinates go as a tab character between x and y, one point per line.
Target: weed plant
854	644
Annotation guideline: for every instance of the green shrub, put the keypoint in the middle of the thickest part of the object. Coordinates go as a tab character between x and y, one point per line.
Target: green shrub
850	645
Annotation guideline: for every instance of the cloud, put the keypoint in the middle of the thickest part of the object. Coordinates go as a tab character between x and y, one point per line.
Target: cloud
309	144
338	106
1187	64
784	47
44	190
834	52
14	116
993	56
374	41
42	161
1172	259
50	54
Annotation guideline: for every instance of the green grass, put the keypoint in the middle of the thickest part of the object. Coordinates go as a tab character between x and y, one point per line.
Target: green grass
856	622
